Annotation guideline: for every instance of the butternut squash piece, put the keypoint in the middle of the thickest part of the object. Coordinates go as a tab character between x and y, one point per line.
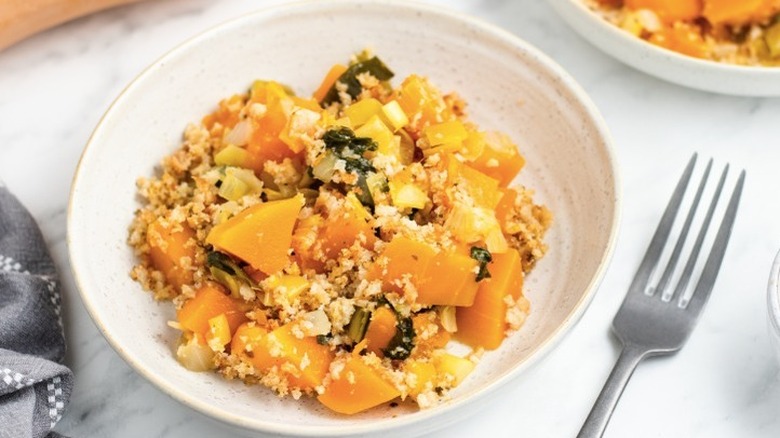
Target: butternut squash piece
305	240
302	361
422	104
357	387
210	301
739	11
450	281
327	82
506	206
424	374
681	38
342	228
499	159
265	143
669	10
172	251
403	256
428	338
484	323
444	278
260	235
219	333
445	133
450	365
380	330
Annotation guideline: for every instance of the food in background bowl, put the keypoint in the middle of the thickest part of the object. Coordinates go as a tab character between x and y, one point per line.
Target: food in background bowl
745	32
332	246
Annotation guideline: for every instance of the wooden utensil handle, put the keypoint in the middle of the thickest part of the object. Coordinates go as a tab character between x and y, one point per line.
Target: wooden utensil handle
22	18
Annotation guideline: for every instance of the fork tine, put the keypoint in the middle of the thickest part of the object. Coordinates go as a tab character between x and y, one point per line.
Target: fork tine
675	257
710	272
685	278
654	250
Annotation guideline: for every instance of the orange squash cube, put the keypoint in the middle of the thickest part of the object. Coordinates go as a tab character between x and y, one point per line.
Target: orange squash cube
499	159
172	251
342	228
210	300
483	324
357	387
422	103
425	341
424	374
444	278
669	10
327	82
739	11
683	39
506	206
450	281
381	330
302	360
260	235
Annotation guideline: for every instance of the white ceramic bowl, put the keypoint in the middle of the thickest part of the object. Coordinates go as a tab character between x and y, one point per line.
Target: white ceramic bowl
666	64
509	85
773	304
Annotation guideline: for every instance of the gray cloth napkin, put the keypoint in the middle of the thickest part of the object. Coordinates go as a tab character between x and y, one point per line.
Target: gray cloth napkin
34	386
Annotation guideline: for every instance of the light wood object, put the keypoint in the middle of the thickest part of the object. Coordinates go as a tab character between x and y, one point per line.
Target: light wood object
20	19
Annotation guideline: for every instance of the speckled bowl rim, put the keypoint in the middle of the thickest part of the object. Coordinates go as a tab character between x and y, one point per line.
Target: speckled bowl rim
405	421
737	72
773	297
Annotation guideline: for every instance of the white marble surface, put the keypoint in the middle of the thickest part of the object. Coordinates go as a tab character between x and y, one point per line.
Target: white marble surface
55	86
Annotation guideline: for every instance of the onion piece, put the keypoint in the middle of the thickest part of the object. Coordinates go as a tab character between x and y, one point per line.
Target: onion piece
240	134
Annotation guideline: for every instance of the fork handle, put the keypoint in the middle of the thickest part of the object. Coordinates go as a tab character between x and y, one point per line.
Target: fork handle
602	410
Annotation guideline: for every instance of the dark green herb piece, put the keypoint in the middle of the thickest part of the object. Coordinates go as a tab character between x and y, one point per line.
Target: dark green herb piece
343	143
358	324
324	339
227	272
374	66
484	257
222	262
401	345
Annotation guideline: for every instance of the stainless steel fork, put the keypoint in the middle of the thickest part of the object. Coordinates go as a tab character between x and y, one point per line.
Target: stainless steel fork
656	319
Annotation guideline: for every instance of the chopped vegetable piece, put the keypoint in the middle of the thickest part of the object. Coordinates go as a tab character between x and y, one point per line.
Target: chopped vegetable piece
483	257
381	329
195	355
445	133
443	278
669	10
484	323
210	300
260	235
393	115
424	374
361	111
303	361
402	343
327	82
231	155
356	388
172	250
373	66
500	159
358	324
450	365
218	334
